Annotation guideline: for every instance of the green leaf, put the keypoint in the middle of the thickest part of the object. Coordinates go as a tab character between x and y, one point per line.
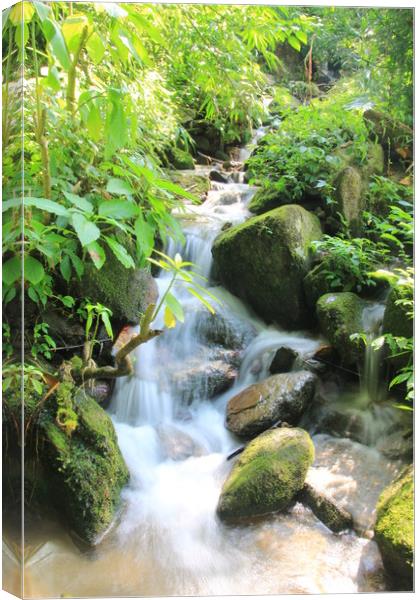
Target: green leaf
12	270
148	28
12	203
107	323
42	10
65	268
68	301
87	231
58	45
119	186
202	300
21	12
46	205
301	36
37	385
175	306
120	252
77	264
94	122
9	295
169	318
145	234
21	37
95	48
33	295
116	124
97	254
118	209
81	203
294	42
72	29
114	10
33	271
163	184
53	78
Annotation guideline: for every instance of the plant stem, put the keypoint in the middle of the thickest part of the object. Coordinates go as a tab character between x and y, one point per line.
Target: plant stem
71	83
164	296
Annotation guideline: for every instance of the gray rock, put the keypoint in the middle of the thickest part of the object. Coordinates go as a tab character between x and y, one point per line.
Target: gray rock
178	445
283	360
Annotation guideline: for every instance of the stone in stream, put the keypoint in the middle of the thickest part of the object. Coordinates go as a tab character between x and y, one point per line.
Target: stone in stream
266	199
216	175
394	529
283	397
283	360
335	518
198	380
340	316
225	330
267	475
178	445
264	260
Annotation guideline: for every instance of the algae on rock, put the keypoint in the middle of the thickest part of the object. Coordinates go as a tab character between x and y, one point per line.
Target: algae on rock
394	529
264	260
86	470
267	475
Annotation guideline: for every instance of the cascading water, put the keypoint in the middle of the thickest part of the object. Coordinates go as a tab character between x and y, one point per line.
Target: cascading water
169	418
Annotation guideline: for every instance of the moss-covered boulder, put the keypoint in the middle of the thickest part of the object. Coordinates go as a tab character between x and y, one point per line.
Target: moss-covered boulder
181	159
335	518
267	475
394	530
264	260
340	316
85	468
396	320
127	292
266	199
349	196
283	397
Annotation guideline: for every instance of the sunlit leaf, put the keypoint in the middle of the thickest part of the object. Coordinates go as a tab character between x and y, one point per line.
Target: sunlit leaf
169	318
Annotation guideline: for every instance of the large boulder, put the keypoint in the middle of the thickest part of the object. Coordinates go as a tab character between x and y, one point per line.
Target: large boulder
283	397
85	468
340	316
180	159
265	199
283	360
396	321
267	475
349	197
264	260
127	292
394	529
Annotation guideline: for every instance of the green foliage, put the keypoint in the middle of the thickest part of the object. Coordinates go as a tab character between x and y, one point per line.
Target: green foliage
301	158
347	263
43	344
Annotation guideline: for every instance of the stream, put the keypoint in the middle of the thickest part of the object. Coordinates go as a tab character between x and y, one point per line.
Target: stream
169	418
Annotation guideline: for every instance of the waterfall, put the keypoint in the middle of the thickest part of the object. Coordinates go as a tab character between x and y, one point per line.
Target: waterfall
372	386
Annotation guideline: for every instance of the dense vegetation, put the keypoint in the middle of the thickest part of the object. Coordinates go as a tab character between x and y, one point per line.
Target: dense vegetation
115	105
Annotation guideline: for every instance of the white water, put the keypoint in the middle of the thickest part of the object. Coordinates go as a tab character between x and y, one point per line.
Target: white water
168	540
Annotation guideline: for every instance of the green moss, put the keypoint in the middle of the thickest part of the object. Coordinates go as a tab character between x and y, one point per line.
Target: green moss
181	159
127	292
394	529
266	199
340	315
268	474
86	471
192	182
264	260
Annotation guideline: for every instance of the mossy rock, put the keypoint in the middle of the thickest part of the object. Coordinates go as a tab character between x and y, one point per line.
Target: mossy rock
267	475
340	316
127	292
349	197
335	518
192	182
394	530
266	199
396	320
86	469
180	159
264	261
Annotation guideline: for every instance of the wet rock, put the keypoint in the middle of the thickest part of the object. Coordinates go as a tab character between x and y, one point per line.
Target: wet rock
85	469
335	518
203	380
66	332
283	397
283	360
216	175
101	391
127	292
264	260
340	316
178	445
396	320
397	445
267	475
225	330
394	530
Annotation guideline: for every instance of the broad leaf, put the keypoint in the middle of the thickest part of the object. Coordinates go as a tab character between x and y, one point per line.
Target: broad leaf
33	271
145	234
46	205
58	45
94	122
95	48
97	254
119	186
118	209
164	184
175	307
65	268
79	202
72	30
120	252
107	323
12	270
21	12
169	318
87	231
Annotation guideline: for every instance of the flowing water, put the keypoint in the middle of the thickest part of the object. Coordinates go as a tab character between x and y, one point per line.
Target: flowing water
169	419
